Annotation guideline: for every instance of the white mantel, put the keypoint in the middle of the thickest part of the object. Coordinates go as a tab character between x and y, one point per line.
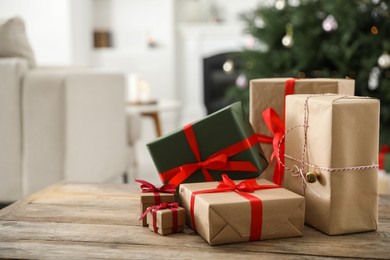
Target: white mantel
198	41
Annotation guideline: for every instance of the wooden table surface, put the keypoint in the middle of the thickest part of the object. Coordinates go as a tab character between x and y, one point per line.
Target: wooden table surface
74	221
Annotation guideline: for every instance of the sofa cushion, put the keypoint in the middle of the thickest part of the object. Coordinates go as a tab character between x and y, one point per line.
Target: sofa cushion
13	40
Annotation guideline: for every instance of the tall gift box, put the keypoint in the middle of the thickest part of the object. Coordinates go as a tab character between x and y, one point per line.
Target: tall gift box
335	138
223	142
250	210
270	93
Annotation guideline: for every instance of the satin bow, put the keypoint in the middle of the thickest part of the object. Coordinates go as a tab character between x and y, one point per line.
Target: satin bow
217	161
163	205
148	187
276	127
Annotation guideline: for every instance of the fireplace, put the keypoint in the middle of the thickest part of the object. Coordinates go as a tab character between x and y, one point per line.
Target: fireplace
220	72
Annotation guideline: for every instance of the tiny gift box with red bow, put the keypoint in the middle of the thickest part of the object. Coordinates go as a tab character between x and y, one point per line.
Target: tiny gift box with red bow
165	218
267	108
229	212
152	195
223	142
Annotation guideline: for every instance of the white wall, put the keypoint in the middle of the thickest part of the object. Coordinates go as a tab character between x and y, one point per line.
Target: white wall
55	33
131	22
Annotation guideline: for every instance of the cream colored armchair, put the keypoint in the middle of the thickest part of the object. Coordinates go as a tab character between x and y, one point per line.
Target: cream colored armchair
58	124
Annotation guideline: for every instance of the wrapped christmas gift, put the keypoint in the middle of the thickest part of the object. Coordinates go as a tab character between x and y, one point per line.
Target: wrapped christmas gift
332	158
230	212
152	195
165	218
267	105
223	142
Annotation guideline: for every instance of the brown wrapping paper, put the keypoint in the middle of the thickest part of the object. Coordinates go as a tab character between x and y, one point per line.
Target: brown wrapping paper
164	221
265	93
147	200
225	217
342	132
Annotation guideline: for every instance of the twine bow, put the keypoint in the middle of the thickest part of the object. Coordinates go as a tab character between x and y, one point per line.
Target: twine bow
299	171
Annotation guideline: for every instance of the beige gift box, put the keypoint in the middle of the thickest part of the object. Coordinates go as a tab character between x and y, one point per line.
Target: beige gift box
266	93
164	221
225	217
148	199
342	132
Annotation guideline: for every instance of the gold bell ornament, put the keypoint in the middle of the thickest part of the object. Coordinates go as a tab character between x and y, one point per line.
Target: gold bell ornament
312	177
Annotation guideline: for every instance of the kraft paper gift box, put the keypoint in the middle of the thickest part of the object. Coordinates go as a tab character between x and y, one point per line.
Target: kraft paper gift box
151	195
270	93
228	217
165	221
223	142
342	149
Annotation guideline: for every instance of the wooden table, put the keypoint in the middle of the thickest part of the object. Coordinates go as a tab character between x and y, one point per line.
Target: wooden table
73	221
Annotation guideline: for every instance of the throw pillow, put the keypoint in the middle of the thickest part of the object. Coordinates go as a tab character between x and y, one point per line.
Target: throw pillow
13	40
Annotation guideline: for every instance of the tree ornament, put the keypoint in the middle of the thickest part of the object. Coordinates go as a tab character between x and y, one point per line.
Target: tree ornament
288	40
373	80
330	24
384	60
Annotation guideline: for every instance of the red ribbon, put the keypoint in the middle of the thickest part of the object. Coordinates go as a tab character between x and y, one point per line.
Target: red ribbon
276	126
243	188
216	161
382	153
165	205
148	187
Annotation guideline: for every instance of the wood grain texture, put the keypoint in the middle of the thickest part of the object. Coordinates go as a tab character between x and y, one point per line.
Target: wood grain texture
71	220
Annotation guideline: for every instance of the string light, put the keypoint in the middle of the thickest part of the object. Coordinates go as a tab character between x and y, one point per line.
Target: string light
374	30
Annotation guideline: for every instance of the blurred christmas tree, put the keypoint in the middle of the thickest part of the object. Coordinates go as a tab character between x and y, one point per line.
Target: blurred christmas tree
320	38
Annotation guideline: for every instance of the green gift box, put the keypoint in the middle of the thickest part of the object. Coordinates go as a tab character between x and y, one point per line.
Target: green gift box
223	142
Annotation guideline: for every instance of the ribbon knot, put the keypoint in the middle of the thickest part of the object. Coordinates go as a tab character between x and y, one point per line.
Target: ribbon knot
216	162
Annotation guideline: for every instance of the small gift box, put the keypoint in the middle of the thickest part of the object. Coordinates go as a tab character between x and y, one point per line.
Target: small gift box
223	142
166	218
270	93
332	158
251	210
151	195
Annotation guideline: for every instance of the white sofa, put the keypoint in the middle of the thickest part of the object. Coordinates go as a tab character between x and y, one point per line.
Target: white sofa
59	124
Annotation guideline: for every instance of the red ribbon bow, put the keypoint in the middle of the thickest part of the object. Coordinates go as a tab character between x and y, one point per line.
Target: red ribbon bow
276	126
148	187
243	188
217	161
164	205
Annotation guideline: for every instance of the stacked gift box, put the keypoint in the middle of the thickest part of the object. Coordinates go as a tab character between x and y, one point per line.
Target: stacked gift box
308	154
